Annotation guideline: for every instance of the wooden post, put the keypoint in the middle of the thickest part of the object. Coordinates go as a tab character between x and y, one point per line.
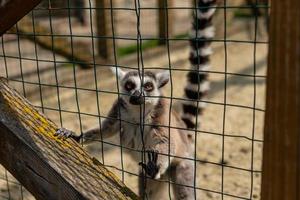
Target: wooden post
281	154
165	29
47	166
104	29
11	11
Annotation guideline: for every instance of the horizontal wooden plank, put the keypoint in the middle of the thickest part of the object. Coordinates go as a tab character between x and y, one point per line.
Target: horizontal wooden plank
49	167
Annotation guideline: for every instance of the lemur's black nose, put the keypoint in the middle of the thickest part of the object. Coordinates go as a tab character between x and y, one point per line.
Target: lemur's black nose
136	98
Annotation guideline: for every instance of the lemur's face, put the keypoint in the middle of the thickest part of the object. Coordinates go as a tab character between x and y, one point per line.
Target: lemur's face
144	89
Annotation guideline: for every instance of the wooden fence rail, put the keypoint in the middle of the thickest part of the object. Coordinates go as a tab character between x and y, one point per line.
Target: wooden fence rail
49	167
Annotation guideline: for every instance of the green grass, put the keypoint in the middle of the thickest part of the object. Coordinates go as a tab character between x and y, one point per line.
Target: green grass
130	49
248	13
243	13
182	36
127	50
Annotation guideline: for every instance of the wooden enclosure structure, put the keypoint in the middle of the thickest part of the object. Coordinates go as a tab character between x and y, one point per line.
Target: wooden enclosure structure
281	156
49	163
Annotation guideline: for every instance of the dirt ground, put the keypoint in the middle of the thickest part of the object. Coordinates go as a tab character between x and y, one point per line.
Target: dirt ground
233	132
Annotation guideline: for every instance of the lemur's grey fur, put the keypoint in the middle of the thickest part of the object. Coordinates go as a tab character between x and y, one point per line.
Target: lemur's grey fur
162	136
156	138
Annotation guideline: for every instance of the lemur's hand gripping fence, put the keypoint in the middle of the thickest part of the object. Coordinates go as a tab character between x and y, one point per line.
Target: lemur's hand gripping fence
58	57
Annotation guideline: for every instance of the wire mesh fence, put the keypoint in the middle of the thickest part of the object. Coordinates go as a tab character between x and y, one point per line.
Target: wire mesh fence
59	56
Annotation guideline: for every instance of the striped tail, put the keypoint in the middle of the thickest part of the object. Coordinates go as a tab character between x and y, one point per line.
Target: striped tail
197	79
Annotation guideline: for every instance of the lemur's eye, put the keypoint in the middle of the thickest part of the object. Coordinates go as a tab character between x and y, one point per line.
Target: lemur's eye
129	85
148	86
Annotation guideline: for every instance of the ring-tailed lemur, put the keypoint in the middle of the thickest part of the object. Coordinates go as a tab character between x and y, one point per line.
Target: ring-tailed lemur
161	133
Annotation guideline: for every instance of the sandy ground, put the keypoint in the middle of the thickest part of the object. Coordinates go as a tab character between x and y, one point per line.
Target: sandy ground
233	132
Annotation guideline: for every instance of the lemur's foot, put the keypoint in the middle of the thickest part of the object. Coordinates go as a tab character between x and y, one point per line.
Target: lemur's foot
151	168
64	133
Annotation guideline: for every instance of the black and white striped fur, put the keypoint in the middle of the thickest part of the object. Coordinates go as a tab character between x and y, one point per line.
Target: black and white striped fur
197	79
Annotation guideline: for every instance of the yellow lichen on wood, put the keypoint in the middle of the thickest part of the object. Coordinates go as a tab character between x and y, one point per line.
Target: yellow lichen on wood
34	120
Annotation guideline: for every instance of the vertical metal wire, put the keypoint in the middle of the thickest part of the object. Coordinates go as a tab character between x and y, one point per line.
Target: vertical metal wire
171	93
95	77
37	61
225	97
4	57
54	62
140	66
74	67
116	65
254	96
20	60
197	104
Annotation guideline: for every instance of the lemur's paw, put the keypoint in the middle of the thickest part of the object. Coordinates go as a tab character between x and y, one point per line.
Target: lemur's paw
64	133
151	168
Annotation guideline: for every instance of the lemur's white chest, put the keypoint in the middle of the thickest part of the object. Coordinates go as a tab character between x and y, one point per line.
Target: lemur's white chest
135	131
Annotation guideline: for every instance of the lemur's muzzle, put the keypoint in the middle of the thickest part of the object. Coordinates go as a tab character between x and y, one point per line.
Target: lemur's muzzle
137	98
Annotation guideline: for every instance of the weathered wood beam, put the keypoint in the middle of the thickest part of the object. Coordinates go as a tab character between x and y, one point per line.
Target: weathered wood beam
104	22
165	20
49	167
281	153
11	11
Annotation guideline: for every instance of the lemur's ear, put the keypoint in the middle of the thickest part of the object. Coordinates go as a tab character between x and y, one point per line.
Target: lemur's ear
118	71
162	78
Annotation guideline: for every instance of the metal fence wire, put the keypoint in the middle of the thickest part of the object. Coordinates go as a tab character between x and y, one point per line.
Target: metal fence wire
59	55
